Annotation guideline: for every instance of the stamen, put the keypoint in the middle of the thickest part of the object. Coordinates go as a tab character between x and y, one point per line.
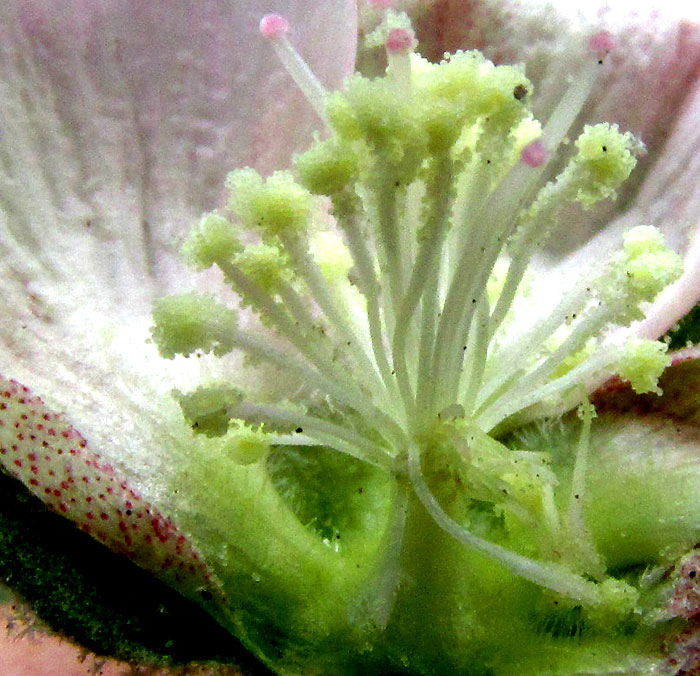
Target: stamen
577	94
274	28
336	436
578	481
405	321
549	575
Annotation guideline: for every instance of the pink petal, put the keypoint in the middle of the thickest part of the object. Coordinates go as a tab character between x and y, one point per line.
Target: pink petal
31	651
43	655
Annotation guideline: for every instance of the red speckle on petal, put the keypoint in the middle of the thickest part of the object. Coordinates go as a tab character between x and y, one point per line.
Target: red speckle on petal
67	481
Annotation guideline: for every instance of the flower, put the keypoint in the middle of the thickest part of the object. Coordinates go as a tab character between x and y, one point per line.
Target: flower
392	390
119	121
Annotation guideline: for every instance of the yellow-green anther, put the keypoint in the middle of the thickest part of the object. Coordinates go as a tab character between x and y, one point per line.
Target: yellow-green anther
191	322
214	240
442	123
327	167
502	98
370	111
640	271
642	362
604	161
208	409
477	88
649	265
265	264
272	206
454	79
245	445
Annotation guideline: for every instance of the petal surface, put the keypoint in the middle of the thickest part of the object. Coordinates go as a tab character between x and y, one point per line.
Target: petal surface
118	122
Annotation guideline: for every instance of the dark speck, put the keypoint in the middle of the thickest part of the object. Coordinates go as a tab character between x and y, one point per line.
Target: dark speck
520	92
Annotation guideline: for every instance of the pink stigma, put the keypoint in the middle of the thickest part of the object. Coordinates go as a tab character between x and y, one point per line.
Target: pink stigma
382	4
533	154
602	42
273	26
399	40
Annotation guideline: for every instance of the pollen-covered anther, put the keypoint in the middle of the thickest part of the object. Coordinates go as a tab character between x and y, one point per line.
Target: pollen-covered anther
534	154
190	322
273	26
642	362
53	460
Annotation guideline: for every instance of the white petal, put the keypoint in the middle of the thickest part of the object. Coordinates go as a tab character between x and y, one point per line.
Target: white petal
118	122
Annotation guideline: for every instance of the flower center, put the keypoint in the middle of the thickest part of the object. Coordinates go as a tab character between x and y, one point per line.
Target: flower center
409	307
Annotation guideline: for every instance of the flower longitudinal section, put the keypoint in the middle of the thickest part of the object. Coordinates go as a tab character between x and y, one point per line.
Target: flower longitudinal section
390	280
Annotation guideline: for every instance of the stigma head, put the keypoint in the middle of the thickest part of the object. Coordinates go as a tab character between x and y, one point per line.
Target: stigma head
273	26
534	154
400	40
602	42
